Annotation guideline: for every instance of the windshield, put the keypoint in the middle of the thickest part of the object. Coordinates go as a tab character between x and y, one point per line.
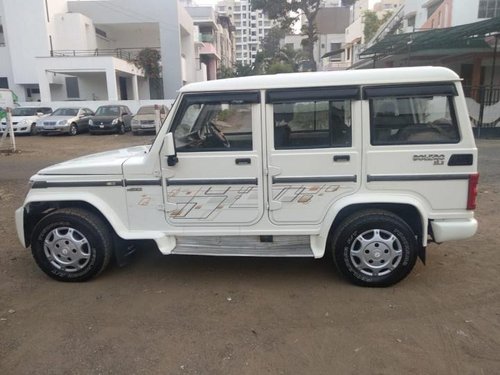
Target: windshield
24	112
65	112
149	110
108	111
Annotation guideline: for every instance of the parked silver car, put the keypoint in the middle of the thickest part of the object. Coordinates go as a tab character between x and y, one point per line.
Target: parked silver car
144	120
65	120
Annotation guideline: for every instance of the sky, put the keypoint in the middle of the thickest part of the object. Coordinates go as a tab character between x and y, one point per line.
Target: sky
213	2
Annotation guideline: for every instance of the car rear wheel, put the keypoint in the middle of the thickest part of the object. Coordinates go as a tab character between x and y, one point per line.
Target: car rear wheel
121	128
374	248
72	245
33	130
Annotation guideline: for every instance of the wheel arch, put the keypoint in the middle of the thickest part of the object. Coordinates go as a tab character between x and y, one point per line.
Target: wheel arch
410	209
35	210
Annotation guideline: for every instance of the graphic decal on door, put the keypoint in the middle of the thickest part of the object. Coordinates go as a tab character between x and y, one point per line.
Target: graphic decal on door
207	202
303	194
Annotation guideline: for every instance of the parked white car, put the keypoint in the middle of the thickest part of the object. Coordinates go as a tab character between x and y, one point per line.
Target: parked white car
144	120
65	120
367	166
24	119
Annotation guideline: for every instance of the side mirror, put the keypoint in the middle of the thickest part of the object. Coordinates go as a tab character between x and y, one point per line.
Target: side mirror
170	150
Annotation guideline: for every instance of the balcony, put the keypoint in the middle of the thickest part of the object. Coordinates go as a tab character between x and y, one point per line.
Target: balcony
128	54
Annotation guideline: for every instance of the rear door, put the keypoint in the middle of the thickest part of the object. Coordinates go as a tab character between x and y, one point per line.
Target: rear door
415	144
314	143
218	177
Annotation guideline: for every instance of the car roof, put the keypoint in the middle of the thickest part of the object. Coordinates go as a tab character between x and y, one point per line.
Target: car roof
318	79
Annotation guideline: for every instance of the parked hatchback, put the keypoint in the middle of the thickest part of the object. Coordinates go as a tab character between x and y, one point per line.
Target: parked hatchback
65	120
144	120
24	119
110	119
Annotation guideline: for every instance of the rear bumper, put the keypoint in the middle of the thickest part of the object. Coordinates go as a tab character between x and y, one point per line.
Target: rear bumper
452	230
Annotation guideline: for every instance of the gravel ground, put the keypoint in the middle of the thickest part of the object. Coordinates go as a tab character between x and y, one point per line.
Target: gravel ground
203	315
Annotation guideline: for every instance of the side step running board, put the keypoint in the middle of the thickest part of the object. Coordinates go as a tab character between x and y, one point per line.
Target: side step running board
282	246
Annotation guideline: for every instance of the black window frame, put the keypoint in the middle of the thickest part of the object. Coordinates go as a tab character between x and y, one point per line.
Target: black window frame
230	97
327	94
451	104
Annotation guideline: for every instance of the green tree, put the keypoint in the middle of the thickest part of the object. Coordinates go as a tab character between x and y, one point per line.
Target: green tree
372	23
276	68
287	13
225	72
148	59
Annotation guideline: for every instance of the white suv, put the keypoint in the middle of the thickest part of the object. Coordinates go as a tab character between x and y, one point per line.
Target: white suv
368	165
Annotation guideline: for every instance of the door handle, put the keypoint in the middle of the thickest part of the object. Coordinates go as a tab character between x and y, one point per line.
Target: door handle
243	161
341	158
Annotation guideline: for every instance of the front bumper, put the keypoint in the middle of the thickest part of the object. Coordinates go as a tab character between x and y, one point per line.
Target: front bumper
106	128
452	230
53	129
18	129
19	218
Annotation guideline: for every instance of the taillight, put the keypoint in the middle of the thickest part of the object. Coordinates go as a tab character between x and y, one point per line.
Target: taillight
472	194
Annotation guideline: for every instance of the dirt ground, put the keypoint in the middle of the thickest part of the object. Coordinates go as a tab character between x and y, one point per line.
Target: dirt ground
203	315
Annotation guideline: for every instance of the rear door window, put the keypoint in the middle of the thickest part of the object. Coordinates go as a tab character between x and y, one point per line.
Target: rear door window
413	119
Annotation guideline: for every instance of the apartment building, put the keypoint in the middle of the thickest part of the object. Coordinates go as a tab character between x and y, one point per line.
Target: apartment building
214	37
251	26
83	50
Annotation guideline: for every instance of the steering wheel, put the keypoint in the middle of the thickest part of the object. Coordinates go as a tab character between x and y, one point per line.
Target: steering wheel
218	134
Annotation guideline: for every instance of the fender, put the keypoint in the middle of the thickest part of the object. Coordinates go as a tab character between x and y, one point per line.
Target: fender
319	242
113	214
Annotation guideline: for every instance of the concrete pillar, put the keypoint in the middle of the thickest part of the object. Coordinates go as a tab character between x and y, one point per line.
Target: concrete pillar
44	86
476	78
135	88
111	84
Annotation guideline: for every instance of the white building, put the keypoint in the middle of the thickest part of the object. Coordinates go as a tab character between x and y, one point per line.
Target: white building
81	50
354	33
251	27
215	39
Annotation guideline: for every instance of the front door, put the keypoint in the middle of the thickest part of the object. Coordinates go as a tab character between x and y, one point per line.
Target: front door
314	141
217	179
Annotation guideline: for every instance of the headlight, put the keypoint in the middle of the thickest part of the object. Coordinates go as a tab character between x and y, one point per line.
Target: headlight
115	121
62	122
91	122
23	122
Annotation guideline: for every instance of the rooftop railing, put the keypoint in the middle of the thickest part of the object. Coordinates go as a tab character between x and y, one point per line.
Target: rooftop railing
120	53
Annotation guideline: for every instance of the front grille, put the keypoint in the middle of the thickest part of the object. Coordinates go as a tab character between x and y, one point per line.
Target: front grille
49	122
147	122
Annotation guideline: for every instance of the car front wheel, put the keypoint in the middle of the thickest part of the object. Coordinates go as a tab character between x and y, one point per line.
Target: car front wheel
374	248
71	244
73	129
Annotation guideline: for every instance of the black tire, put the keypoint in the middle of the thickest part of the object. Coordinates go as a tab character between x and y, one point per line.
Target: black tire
121	128
33	130
366	255
73	129
97	245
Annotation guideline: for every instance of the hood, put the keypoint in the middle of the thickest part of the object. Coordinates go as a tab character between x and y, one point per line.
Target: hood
21	118
57	118
145	116
103	163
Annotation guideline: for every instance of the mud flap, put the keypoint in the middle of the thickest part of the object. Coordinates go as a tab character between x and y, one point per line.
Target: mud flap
422	253
122	251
